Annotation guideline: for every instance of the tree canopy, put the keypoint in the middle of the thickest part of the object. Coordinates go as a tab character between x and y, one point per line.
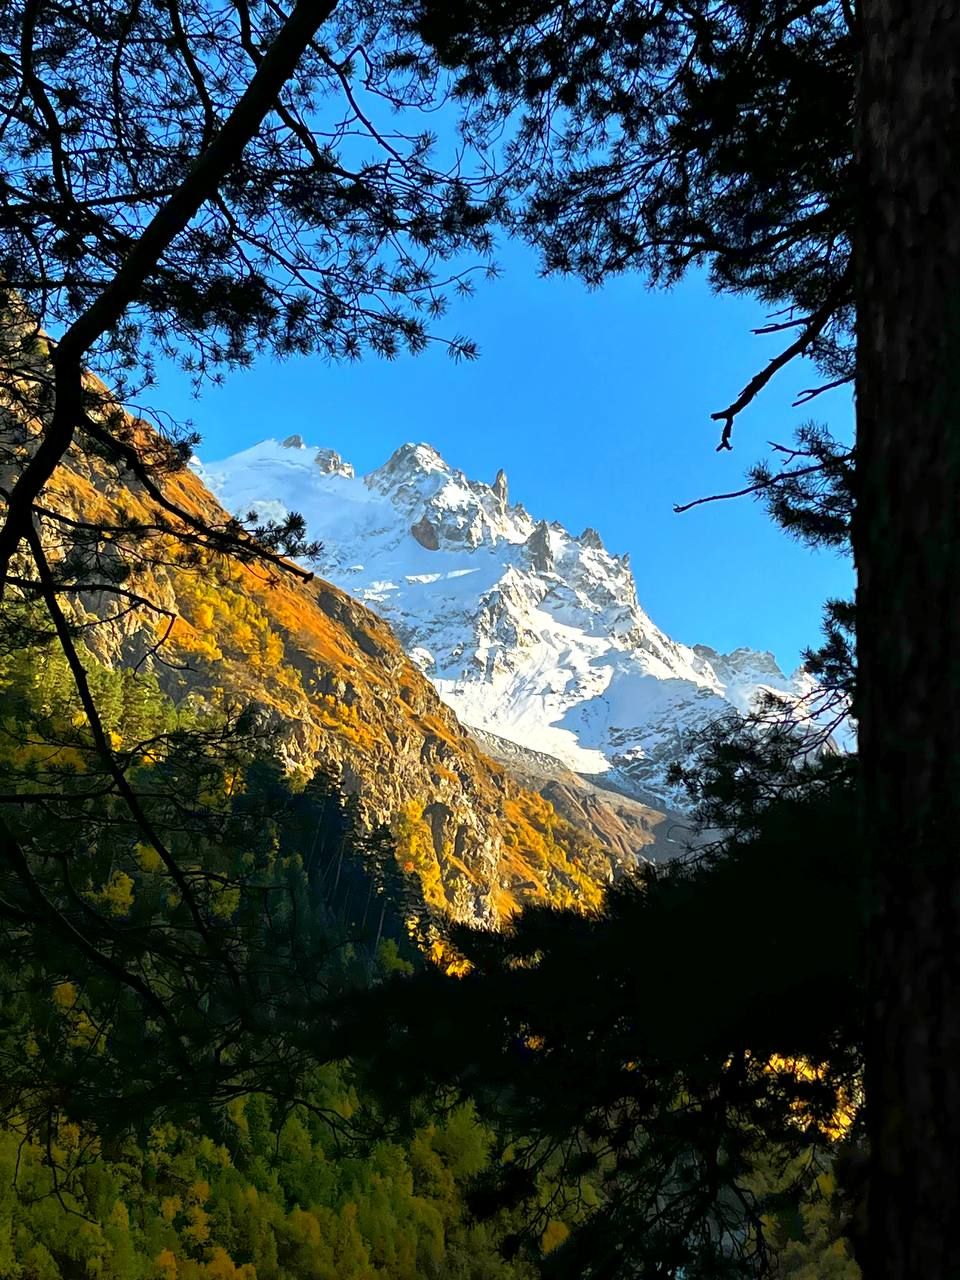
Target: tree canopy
209	179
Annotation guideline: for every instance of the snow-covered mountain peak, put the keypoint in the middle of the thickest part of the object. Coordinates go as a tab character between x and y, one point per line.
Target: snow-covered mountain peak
446	508
527	632
412	469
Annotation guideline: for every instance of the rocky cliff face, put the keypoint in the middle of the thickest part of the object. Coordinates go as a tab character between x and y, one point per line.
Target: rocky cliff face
528	632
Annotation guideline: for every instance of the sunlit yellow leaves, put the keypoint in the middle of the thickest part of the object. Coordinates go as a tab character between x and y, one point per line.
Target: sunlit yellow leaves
64	995
416	853
198	1192
81	1032
220	1266
554	1235
119	1216
547	852
304	1228
69	1135
166	1265
844	1114
148	858
117	896
203	616
197	1230
224	902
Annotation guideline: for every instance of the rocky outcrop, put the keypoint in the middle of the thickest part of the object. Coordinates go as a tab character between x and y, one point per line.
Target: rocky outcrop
539	549
331	464
426	534
621	824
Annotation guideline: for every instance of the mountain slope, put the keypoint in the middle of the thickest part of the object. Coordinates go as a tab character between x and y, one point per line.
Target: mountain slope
330	678
527	632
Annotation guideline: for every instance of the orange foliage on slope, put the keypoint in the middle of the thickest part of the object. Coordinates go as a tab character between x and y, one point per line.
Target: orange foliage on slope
331	676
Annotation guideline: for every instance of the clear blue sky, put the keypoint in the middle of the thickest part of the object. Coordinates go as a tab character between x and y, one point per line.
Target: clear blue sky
598	407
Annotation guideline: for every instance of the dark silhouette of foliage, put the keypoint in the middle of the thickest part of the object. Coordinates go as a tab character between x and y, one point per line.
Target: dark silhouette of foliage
657	137
707	1021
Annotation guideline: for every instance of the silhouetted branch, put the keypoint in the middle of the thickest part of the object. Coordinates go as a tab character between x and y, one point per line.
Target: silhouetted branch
814	326
811	393
202	181
760	485
101	742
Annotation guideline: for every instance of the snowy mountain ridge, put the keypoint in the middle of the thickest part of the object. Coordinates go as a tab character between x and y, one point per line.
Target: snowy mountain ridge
526	631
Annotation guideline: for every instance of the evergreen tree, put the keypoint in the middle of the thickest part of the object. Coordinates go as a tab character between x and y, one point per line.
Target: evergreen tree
673	1050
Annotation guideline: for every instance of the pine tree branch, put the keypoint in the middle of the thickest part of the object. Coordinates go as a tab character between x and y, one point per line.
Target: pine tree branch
104	750
815	325
201	183
232	540
761	485
811	393
16	859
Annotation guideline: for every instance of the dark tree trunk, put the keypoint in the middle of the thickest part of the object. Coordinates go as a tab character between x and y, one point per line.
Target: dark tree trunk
907	545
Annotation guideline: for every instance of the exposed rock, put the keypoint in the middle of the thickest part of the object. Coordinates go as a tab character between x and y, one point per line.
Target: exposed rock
331	463
626	827
500	490
426	534
293	442
539	549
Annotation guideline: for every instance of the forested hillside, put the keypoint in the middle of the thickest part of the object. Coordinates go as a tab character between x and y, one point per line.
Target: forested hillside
124	1154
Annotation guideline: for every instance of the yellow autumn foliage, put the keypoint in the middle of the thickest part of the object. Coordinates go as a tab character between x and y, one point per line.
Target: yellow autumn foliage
416	853
116	896
554	1235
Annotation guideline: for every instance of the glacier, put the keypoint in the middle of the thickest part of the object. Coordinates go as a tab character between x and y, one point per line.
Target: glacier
527	631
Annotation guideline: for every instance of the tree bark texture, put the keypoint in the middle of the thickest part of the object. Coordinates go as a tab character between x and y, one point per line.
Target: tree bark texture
907	548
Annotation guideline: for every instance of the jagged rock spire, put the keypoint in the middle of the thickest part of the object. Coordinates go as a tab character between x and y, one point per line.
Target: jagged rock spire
500	490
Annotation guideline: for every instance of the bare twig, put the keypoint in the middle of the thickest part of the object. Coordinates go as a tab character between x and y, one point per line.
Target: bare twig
202	181
814	326
811	393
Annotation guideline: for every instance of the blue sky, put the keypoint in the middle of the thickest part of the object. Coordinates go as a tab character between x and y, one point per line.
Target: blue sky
597	405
